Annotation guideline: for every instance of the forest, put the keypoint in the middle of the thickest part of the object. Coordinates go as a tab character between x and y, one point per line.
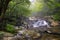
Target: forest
29	19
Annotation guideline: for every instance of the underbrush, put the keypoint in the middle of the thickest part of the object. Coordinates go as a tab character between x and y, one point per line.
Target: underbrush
10	29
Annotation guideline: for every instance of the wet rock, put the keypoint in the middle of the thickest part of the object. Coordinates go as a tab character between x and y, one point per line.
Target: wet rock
27	34
50	37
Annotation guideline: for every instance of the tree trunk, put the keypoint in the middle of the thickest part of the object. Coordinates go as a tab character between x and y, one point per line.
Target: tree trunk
3	8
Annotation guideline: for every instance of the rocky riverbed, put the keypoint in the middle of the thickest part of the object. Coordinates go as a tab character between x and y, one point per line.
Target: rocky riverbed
28	32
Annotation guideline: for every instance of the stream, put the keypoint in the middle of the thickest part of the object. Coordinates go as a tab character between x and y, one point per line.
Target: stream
38	27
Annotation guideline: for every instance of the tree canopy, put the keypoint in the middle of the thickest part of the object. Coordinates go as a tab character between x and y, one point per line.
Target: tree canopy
13	10
54	8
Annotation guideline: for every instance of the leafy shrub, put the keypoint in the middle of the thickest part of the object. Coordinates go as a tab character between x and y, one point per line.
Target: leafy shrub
10	28
56	17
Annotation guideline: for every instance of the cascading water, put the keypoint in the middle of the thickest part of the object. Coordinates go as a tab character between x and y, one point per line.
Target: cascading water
42	25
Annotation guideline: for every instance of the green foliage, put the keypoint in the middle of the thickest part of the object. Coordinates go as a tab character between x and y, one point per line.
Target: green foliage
10	28
3	8
10	10
36	5
18	7
54	8
56	17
